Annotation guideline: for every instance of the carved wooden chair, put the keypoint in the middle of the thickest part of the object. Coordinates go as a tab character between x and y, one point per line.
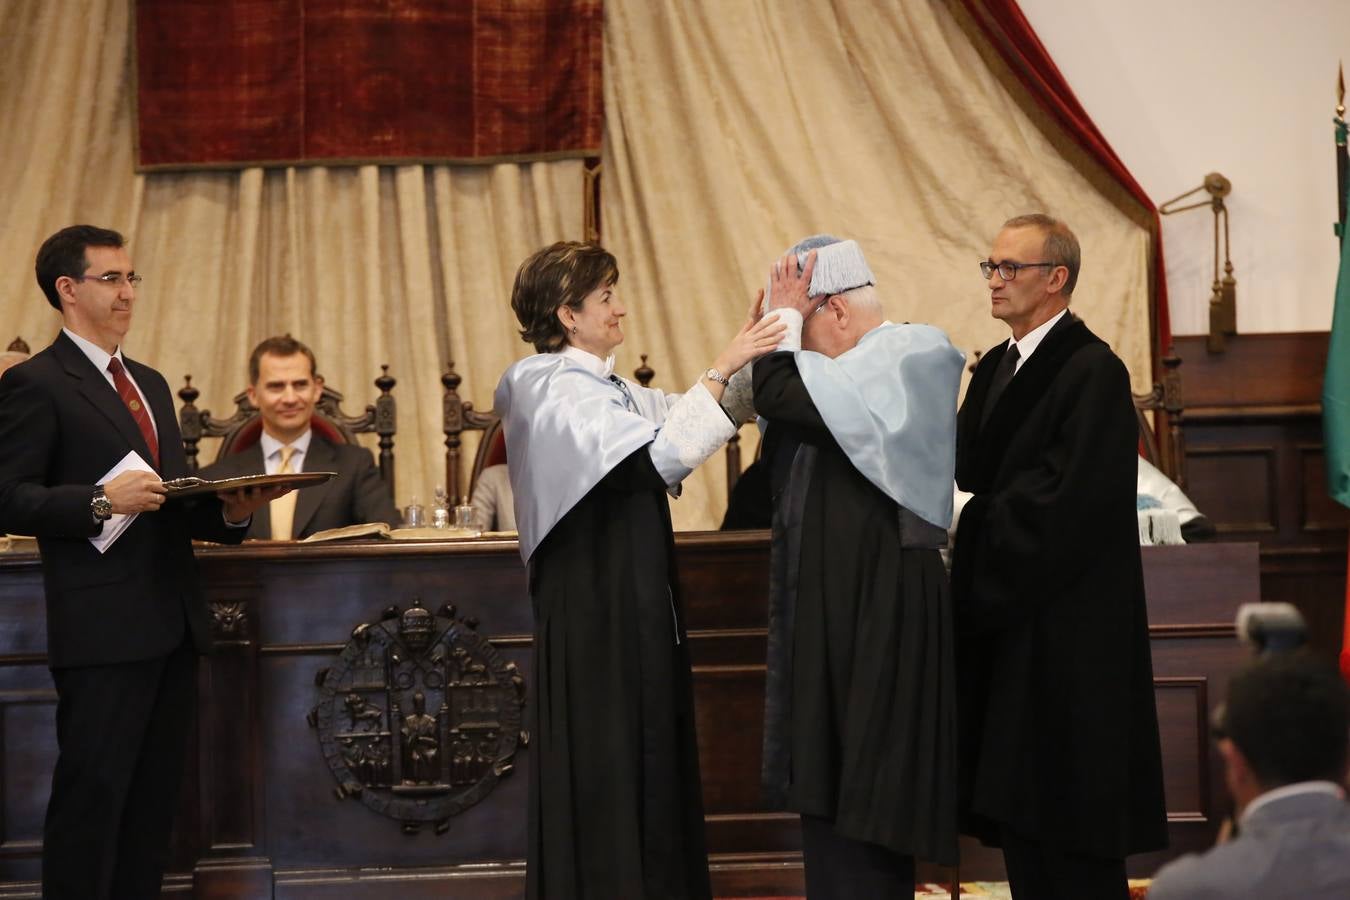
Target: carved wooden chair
491	452
457	417
243	429
1161	440
18	345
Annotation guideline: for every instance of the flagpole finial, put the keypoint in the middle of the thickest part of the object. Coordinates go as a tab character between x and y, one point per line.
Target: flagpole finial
1340	91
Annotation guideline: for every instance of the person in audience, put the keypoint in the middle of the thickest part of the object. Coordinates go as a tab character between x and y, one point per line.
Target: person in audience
749	504
492	501
615	804
284	385
860	717
86	435
1152	483
1283	738
1061	764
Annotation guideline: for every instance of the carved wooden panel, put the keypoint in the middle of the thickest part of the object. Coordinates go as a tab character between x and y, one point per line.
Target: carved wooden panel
1318	512
1183	722
27	744
1234	486
1265	390
722	694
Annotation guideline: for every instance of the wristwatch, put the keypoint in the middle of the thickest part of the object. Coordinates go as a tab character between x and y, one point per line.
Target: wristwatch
714	375
100	506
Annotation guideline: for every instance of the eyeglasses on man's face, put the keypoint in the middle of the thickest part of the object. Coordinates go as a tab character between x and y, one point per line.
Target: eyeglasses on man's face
1008	270
112	279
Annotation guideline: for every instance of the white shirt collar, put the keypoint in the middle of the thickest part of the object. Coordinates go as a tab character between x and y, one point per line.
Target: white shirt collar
589	361
97	355
1032	339
272	447
1290	790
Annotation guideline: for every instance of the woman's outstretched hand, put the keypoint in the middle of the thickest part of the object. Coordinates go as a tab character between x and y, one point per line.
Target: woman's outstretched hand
758	336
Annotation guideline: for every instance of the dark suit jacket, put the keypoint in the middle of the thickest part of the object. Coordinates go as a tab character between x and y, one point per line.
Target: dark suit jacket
62	427
355	496
1296	846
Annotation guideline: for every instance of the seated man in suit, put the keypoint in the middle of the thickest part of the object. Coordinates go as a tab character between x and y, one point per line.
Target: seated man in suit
1283	739
284	386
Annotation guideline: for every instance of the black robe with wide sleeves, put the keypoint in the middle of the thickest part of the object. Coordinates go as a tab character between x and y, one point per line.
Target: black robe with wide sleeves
859	718
616	809
1059	734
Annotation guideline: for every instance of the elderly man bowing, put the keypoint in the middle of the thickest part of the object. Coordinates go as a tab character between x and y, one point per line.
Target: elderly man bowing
859	733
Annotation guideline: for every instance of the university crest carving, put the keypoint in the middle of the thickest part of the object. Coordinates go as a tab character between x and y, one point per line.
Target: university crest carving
420	716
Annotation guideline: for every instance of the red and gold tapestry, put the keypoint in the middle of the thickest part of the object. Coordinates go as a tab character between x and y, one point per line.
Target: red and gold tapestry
233	83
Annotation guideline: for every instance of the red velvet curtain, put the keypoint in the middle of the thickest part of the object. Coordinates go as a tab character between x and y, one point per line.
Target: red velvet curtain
230	83
1009	32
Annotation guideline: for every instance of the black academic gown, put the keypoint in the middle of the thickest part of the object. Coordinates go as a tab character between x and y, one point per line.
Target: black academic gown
616	809
859	715
1059	735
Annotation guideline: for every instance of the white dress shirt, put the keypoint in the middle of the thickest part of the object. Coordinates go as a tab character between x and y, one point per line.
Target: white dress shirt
1032	339
100	358
271	451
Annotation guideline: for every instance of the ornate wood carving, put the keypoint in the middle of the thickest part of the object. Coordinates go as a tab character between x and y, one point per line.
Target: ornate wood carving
420	716
229	620
457	416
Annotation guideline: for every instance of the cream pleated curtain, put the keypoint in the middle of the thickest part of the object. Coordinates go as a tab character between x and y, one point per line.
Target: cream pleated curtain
408	265
734	127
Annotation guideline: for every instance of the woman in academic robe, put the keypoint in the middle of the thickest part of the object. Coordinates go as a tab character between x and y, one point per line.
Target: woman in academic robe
615	804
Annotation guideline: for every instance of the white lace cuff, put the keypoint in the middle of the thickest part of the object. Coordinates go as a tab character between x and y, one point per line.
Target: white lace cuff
694	429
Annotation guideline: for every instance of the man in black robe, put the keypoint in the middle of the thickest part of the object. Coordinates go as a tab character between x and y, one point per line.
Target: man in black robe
1060	759
859	713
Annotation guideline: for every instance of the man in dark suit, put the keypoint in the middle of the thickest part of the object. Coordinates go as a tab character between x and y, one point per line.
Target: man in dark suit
125	616
284	386
1060	763
1283	739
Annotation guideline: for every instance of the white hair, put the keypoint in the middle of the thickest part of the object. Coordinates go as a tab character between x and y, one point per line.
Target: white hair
863	299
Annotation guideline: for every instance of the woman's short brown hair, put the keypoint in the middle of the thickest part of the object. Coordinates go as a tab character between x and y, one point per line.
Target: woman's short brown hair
558	275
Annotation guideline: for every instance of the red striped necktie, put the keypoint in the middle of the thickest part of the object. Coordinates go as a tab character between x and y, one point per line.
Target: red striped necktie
127	391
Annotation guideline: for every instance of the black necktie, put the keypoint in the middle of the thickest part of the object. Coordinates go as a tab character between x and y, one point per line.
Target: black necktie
1002	375
627	394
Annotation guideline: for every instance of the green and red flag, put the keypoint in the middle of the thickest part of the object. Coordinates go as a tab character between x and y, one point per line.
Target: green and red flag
1336	383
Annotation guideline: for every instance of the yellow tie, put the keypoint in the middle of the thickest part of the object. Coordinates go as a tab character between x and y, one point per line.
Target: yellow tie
283	508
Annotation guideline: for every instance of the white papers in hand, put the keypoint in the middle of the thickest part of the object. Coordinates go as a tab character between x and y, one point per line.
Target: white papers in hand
113	528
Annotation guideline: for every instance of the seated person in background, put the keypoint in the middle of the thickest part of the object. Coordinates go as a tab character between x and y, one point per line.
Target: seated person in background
1283	739
493	504
1154	485
285	386
750	504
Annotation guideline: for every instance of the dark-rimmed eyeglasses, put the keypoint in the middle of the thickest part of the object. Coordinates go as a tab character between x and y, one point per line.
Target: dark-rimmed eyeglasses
1008	270
112	279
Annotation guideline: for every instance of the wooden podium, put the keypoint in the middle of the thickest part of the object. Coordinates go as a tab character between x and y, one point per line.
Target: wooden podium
261	816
